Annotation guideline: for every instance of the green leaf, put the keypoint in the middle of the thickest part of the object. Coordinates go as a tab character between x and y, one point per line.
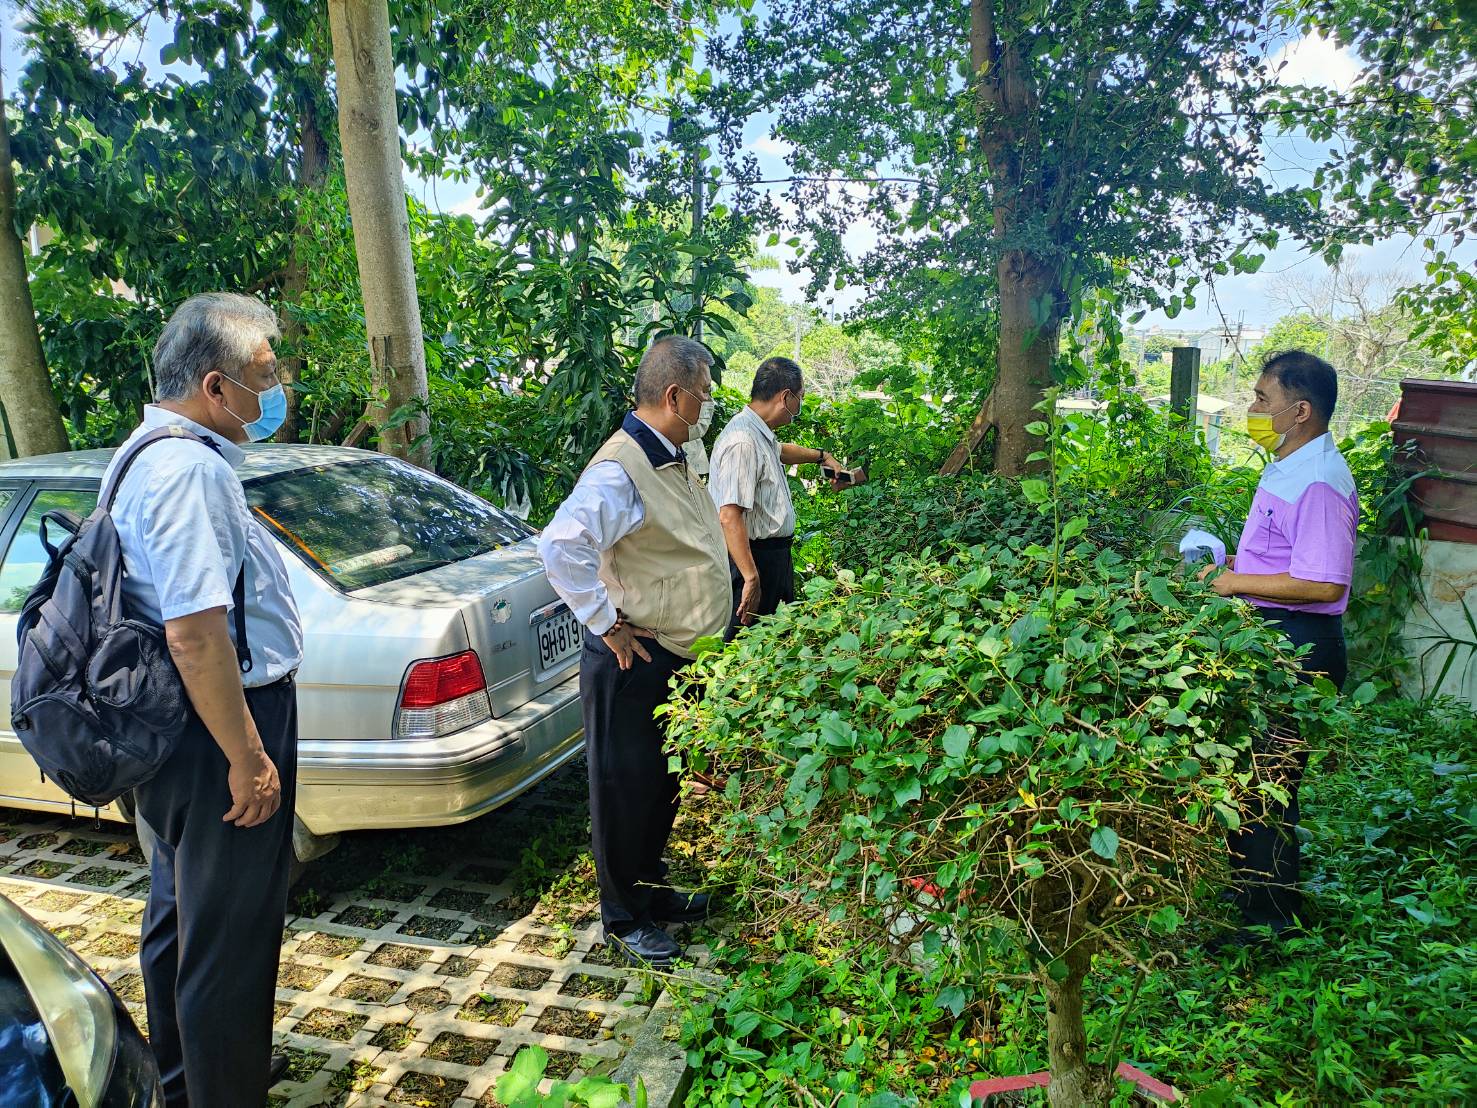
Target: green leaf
1055	679
956	741
1035	490
744	1023
1073	527
524	1075
1166	920
952	999
1104	843
1159	590
908	792
599	1092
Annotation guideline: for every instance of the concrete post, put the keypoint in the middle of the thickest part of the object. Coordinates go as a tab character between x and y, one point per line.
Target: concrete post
1184	381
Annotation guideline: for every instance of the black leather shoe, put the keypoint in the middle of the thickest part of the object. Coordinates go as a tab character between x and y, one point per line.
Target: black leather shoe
671	906
277	1069
646	946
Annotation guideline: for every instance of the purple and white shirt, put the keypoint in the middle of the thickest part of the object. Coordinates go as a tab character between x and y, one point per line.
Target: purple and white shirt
1303	522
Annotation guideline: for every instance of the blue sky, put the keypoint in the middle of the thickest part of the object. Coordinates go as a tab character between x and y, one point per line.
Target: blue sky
1253	297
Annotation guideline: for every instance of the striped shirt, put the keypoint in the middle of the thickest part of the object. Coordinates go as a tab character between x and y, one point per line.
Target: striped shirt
746	471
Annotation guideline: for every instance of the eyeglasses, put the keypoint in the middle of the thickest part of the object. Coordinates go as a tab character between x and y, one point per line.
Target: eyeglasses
695	396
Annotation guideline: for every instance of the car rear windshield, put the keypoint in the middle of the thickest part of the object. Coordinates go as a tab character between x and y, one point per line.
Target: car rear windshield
363	523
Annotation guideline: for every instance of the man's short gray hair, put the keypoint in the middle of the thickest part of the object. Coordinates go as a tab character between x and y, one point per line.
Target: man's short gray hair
671	360
212	331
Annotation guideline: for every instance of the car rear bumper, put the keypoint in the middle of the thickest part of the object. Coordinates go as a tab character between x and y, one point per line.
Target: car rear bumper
358	784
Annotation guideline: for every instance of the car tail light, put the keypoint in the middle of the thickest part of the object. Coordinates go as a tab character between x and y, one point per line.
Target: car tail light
441	696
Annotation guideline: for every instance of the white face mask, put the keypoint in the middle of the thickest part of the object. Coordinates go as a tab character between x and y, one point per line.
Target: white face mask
704	421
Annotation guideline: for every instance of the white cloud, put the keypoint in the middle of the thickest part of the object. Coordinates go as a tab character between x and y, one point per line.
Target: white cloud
1315	60
471	206
774	147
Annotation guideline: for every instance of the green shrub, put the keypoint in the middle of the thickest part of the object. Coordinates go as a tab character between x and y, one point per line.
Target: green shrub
865	528
1056	739
1370	1006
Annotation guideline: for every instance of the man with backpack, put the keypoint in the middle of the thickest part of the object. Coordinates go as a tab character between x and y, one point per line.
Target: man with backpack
221	805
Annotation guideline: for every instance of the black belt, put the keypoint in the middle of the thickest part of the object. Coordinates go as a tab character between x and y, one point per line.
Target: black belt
286	679
779	542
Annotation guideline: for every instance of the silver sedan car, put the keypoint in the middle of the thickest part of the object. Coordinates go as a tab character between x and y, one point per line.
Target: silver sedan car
440	671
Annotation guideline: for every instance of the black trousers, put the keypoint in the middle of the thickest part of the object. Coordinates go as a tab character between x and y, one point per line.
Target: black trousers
774	558
1265	856
212	929
633	796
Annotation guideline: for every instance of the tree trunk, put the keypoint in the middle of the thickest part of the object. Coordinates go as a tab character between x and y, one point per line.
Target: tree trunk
1008	130
1029	327
1074	1080
369	132
34	422
312	171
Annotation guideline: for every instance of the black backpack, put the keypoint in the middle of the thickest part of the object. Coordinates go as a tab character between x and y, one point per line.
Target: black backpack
96	699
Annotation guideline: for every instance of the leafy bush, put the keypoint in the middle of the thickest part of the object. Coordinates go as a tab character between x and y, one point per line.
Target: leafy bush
1053	738
1369	1006
1147	460
865	528
500	446
902	431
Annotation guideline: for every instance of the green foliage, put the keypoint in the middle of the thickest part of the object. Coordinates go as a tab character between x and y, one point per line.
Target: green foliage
493	443
519	1087
1144	461
810	1014
202	177
1044	743
1444	309
1369	1006
906	429
863	529
1387	570
1402	150
1055	167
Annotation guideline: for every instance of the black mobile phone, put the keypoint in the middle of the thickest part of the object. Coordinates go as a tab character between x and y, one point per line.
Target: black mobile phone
841	475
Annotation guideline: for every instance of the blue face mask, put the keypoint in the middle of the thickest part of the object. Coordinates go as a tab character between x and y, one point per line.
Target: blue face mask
273	404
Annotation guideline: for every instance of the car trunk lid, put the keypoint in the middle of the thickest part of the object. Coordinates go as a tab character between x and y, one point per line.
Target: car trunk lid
508	607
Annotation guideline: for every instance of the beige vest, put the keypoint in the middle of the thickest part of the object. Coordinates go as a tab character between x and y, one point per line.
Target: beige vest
670	575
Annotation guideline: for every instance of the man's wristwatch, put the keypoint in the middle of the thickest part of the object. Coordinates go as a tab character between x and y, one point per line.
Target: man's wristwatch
820	457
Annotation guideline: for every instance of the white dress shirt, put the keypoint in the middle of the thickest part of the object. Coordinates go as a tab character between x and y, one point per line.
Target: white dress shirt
603	509
185	529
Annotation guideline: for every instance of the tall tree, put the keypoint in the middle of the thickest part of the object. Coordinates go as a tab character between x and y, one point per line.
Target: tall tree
369	131
1015	155
1402	142
34	421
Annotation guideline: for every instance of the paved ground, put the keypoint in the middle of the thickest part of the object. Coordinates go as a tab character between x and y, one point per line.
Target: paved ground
415	963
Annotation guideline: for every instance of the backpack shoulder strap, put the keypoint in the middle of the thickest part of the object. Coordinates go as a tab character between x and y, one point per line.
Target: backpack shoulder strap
159	434
110	493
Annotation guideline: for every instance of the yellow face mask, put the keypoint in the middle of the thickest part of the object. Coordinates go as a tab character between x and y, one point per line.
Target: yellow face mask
1259	427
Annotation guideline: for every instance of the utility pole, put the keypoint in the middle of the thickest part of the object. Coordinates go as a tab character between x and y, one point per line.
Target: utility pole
699	205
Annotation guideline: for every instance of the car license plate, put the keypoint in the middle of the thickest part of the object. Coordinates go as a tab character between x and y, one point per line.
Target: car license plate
558	637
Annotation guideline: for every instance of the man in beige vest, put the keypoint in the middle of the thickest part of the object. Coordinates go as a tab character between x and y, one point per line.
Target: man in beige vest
638	555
